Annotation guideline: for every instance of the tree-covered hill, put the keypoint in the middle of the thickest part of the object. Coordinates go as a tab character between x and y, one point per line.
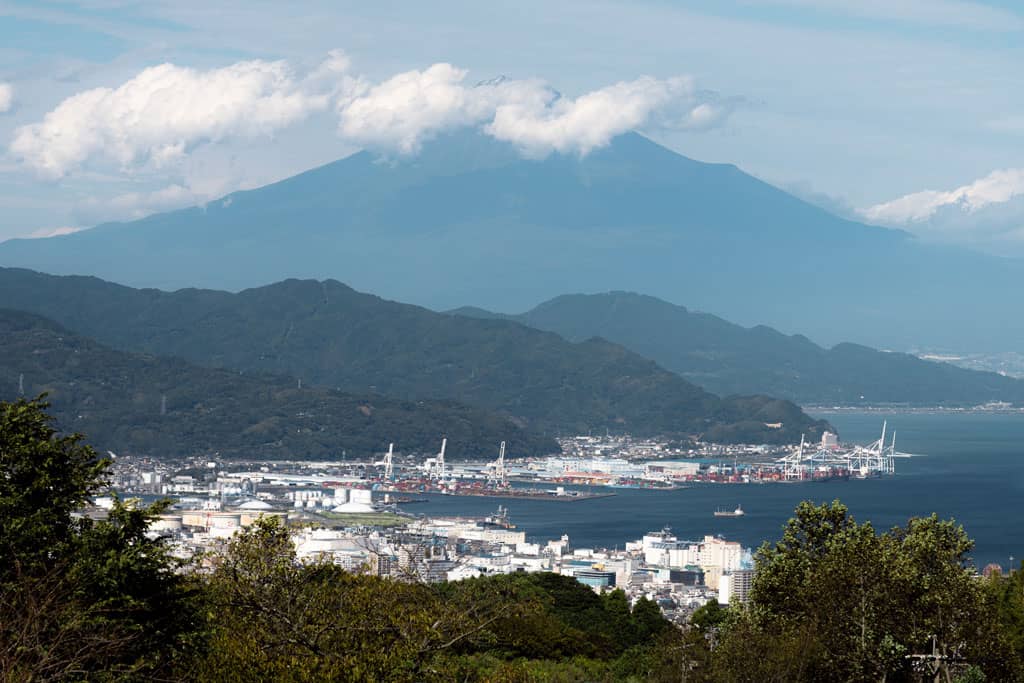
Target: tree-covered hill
118	399
329	334
730	359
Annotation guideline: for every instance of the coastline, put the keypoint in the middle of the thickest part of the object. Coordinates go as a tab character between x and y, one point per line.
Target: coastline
908	409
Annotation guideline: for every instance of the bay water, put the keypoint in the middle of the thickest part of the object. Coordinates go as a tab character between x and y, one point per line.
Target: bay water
971	470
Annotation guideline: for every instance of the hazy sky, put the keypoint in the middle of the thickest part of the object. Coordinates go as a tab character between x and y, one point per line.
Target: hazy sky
907	113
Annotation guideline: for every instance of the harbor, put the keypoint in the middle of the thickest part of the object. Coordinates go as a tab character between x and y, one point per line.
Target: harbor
588	469
967	454
602	464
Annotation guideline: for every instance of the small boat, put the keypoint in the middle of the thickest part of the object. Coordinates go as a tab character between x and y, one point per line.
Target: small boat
498	520
738	512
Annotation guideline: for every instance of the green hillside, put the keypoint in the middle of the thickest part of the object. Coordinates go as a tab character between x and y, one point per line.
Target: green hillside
116	398
730	359
329	334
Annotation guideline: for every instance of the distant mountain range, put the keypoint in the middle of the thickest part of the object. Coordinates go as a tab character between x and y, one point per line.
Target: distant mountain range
331	335
730	359
469	222
163	407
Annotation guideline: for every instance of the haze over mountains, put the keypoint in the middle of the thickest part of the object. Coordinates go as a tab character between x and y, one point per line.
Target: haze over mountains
468	221
331	335
727	359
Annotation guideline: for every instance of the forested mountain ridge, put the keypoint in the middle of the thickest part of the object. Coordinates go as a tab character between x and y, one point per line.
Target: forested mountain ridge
165	407
329	334
727	358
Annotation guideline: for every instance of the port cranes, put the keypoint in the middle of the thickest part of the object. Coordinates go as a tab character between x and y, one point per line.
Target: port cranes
439	463
875	459
498	474
389	463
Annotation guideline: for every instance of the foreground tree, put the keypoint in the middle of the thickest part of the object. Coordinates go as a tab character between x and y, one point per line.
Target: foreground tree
45	478
280	619
80	599
841	602
276	618
1006	594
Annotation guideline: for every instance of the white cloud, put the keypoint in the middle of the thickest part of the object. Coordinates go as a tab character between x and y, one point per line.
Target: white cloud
406	109
704	116
6	97
165	111
987	214
43	233
996	188
206	176
133	205
159	116
151	141
402	112
591	120
997	228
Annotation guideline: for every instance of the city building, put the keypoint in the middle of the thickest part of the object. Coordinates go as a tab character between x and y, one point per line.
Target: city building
734	586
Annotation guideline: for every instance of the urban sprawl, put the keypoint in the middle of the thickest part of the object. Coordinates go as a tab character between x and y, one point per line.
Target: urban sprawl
355	513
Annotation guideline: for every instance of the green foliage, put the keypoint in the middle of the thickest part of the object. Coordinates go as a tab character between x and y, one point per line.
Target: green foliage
331	335
833	600
1006	596
80	599
276	619
139	586
117	398
648	622
45	477
708	617
565	618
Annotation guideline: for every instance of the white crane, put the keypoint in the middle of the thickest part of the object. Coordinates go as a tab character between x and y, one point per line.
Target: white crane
440	459
500	474
389	465
875	459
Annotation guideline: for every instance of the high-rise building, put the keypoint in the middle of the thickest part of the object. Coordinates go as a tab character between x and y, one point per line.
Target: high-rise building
734	586
717	552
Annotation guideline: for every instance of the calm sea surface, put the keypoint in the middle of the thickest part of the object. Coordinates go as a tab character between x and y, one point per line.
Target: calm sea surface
973	472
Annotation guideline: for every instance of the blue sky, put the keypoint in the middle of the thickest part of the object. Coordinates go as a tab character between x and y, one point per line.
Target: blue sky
903	113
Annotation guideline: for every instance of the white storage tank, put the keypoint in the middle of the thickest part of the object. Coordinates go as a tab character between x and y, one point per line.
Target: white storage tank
166	523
